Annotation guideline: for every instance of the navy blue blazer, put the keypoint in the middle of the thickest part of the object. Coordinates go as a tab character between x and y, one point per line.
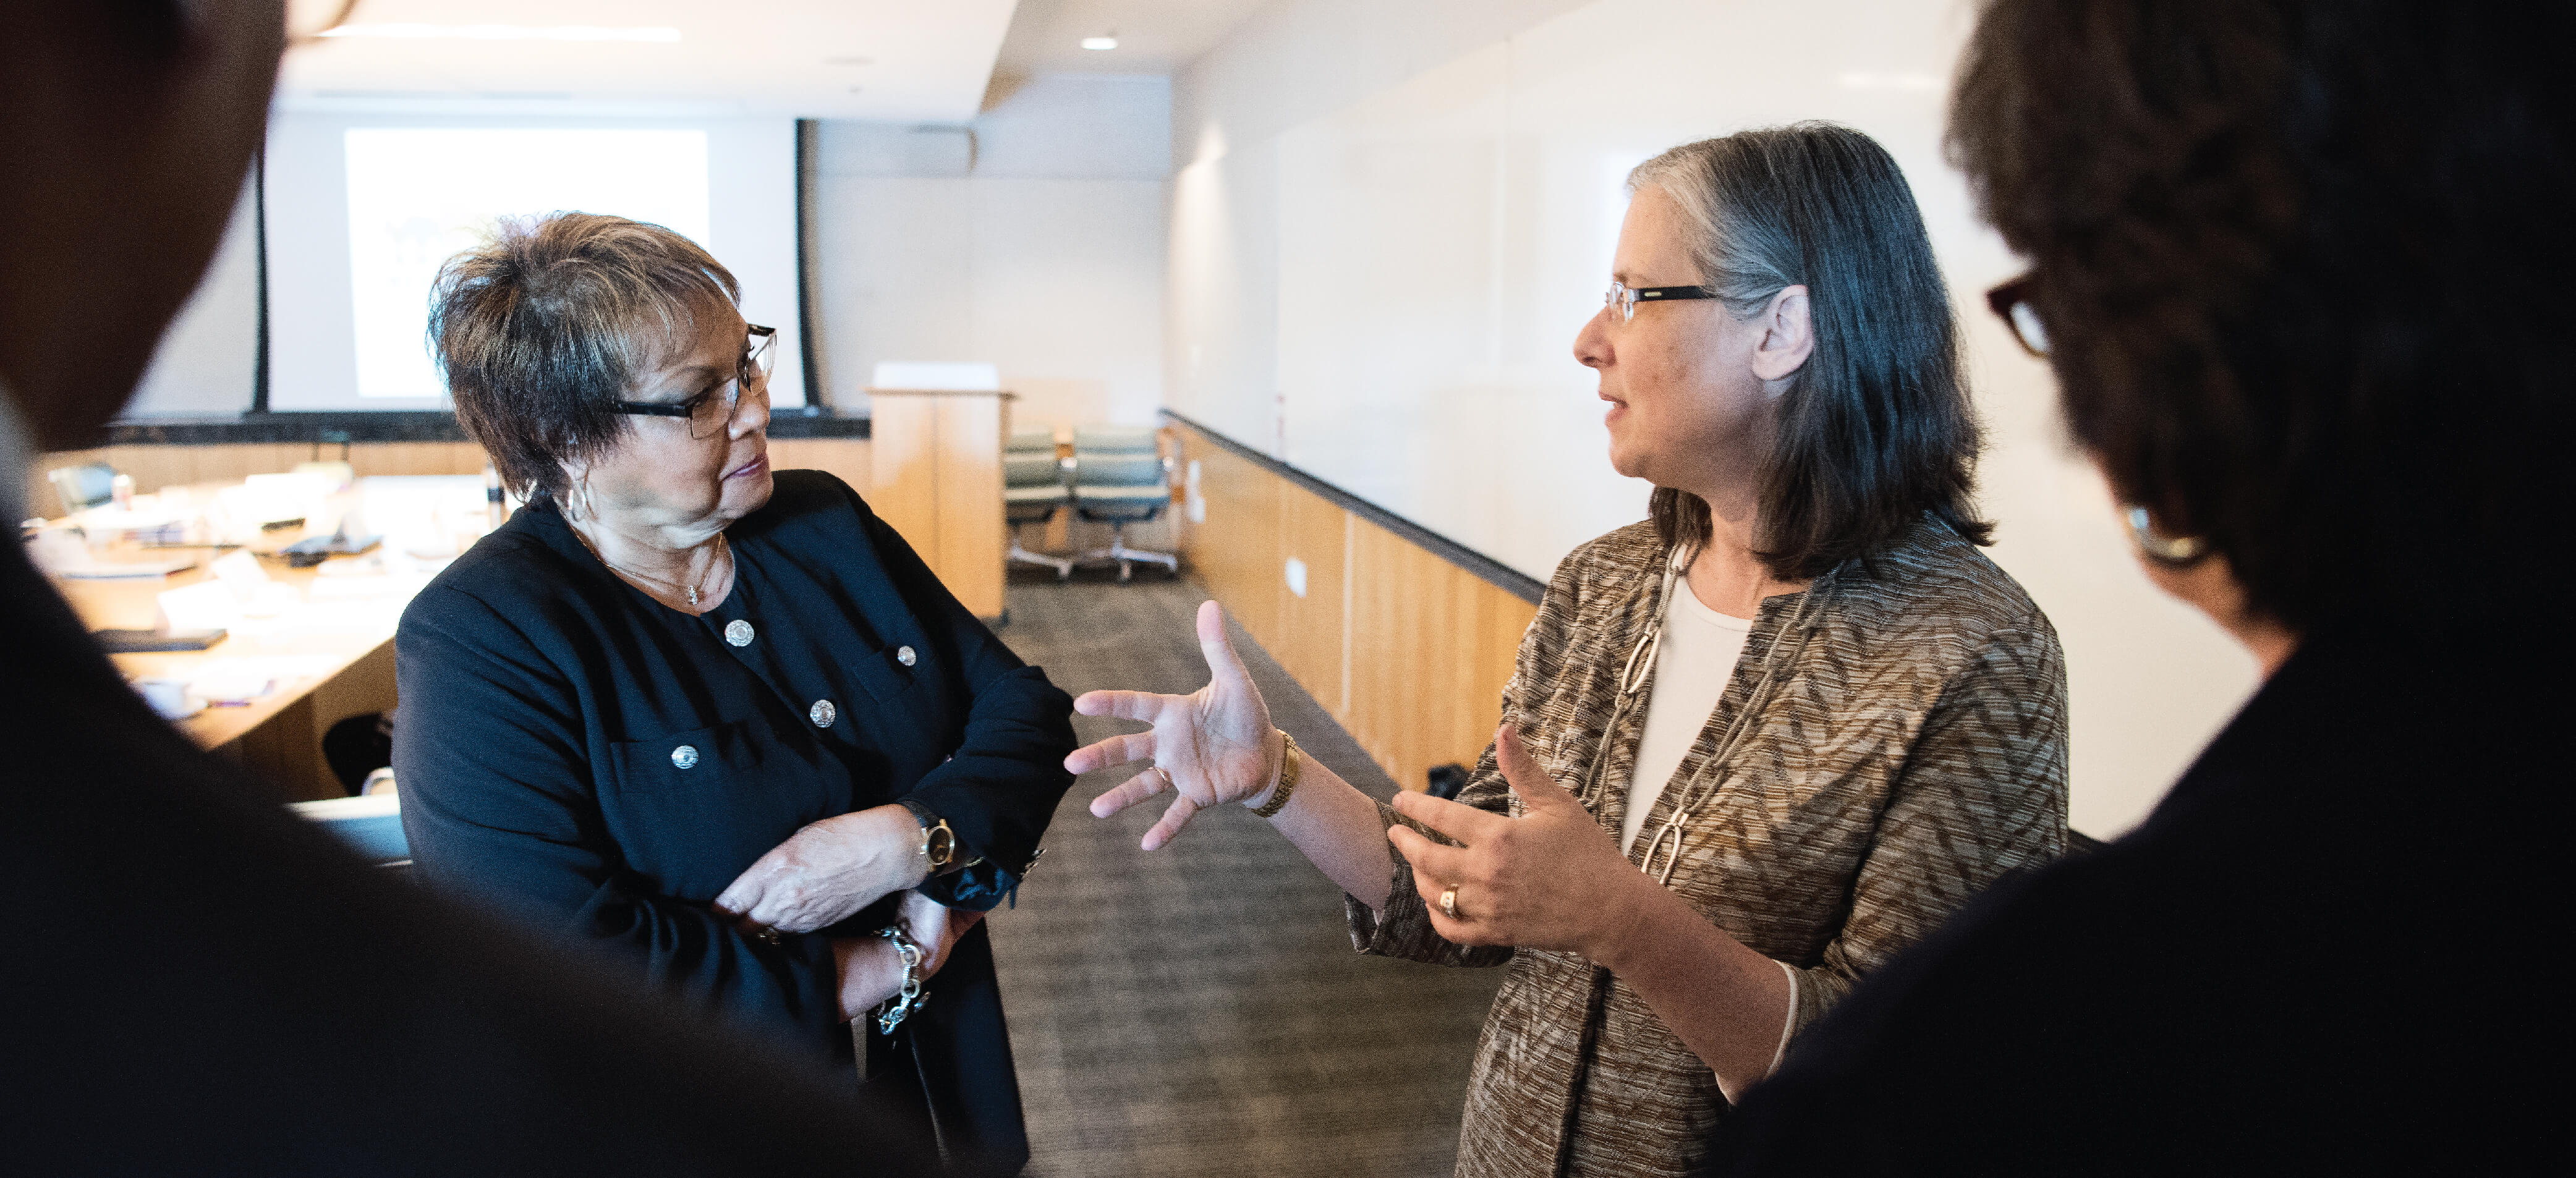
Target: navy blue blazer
200	982
602	766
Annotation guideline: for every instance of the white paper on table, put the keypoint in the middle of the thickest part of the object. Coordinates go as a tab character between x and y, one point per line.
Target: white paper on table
85	569
281	667
206	605
240	572
366	615
230	690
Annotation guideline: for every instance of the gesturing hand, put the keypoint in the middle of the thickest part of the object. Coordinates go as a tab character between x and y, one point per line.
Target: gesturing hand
1549	879
827	871
1212	746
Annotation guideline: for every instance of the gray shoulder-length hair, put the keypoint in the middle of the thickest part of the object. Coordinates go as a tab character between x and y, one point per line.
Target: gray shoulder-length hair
540	330
1876	430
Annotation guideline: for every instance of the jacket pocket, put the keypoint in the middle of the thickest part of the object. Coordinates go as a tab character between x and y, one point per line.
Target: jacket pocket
700	758
690	810
883	675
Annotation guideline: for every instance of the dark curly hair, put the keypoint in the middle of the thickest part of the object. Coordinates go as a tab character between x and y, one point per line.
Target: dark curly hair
2300	265
540	331
1875	431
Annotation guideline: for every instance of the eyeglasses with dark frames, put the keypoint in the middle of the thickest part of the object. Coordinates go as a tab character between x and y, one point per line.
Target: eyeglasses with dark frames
712	412
2012	303
1623	299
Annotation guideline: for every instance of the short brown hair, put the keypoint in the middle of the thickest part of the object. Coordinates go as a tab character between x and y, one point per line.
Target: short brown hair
541	329
2302	266
1875	432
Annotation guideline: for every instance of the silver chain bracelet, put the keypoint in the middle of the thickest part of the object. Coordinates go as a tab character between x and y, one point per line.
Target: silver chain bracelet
911	997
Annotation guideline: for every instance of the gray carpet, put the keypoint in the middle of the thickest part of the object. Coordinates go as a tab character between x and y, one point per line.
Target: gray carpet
1198	1009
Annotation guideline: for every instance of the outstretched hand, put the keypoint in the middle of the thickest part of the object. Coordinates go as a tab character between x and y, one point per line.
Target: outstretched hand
1212	746
1549	879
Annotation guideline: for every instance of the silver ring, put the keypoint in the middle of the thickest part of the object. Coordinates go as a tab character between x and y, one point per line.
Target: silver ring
1449	903
1168	783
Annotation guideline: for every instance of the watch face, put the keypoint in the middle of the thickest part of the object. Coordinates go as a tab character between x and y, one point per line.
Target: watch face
942	844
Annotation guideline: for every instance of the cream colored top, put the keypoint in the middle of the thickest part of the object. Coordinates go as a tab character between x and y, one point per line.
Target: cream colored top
1693	665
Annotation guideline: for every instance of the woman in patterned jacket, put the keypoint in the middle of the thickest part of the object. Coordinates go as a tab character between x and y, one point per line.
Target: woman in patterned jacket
1753	746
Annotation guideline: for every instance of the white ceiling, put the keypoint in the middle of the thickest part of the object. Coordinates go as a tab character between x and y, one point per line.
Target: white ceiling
907	60
1154	36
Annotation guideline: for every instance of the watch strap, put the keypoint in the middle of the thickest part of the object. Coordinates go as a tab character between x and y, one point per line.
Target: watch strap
931	824
1287	784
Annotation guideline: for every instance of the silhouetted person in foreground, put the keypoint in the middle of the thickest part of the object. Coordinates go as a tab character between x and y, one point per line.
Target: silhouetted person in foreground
194	982
2300	268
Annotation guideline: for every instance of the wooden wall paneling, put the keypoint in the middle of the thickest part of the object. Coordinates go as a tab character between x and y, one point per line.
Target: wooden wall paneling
1314	531
1379	616
286	752
903	468
969	471
1409	651
1424	689
1504	618
39	491
846	458
1236	551
156	467
364	686
410	458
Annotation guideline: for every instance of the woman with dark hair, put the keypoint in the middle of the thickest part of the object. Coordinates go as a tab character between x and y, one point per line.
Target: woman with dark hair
2299	267
1801	716
721	722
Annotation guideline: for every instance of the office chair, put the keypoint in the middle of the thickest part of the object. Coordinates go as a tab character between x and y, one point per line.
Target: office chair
1032	492
83	487
1119	478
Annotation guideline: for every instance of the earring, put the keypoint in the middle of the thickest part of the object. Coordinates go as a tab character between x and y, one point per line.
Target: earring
2173	552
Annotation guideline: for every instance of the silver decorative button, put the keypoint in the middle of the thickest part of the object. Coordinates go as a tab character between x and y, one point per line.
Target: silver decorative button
685	756
904	655
823	713
738	632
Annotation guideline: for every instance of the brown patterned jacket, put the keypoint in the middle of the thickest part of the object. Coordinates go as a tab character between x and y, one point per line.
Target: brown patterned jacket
1911	752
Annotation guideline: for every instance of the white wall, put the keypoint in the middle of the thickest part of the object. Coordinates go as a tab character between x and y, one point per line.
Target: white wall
208	360
1039	250
1393	215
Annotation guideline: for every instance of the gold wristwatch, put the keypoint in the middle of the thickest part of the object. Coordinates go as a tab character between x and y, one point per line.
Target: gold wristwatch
1289	757
938	843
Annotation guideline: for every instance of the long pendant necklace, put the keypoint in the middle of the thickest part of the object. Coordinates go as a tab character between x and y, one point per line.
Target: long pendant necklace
695	591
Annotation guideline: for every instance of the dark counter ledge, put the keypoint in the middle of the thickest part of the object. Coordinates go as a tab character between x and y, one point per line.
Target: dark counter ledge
363	428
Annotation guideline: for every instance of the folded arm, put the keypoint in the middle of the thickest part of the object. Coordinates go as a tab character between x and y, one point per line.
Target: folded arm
1000	788
499	802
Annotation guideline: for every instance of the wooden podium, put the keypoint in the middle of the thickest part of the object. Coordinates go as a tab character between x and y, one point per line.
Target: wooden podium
938	480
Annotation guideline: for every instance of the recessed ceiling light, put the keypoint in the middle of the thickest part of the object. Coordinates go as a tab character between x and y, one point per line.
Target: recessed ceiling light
1100	42
428	32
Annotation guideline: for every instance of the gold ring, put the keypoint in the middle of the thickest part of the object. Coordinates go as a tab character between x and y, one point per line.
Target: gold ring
1449	903
768	934
1168	783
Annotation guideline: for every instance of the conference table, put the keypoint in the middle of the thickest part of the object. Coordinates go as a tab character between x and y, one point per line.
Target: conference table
325	655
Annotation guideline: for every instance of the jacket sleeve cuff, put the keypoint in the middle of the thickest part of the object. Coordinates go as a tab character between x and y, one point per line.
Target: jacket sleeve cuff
1404	928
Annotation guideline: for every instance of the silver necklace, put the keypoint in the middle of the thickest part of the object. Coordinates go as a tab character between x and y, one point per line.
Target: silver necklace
1705	780
695	592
